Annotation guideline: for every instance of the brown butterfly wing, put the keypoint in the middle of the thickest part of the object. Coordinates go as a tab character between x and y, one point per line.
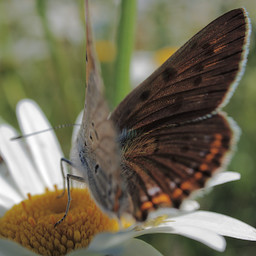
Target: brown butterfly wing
172	143
164	166
194	81
96	153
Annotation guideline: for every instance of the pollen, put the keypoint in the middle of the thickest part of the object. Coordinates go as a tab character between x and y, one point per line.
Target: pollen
31	223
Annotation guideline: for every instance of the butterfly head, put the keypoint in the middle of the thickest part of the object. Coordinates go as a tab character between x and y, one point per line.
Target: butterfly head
102	176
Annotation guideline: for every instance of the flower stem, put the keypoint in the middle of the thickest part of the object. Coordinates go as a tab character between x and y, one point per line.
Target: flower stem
125	42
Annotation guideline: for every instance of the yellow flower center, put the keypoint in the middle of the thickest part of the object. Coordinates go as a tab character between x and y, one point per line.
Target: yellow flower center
31	223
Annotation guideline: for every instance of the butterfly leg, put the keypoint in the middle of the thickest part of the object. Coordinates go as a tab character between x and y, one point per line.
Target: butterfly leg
68	177
62	160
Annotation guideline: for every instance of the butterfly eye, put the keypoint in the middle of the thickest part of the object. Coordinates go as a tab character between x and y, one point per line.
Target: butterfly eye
96	168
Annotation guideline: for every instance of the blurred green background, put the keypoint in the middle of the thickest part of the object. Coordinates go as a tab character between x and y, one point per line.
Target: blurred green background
42	57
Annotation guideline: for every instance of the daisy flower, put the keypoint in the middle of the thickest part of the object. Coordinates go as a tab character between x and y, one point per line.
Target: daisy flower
31	182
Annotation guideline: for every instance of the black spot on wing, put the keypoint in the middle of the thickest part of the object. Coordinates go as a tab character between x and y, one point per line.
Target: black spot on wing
199	67
178	103
173	159
208	49
144	95
127	112
184	149
197	81
205	46
169	73
193	46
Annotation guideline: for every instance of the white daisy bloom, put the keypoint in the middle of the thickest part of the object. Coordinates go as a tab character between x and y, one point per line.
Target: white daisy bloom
29	210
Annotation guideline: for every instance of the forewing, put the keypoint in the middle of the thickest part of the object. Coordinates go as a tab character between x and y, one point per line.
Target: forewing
193	82
100	132
96	145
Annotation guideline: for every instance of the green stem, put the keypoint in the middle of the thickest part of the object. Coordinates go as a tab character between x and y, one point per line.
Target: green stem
125	43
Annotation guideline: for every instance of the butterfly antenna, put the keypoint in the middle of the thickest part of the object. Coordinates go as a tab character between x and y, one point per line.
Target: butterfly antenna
45	130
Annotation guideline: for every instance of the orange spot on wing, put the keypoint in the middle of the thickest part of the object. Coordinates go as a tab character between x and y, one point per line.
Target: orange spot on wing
218	136
162	198
203	167
209	157
146	205
215	148
217	142
198	175
177	192
214	151
187	185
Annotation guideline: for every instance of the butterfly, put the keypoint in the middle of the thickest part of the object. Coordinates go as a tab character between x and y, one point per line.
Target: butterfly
169	135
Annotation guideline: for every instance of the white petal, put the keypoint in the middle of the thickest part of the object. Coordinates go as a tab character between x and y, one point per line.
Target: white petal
108	240
44	147
10	248
9	188
206	227
223	177
21	168
207	237
218	223
3	210
189	205
173	226
129	247
84	252
8	195
3	167
204	236
77	127
137	247
164	211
